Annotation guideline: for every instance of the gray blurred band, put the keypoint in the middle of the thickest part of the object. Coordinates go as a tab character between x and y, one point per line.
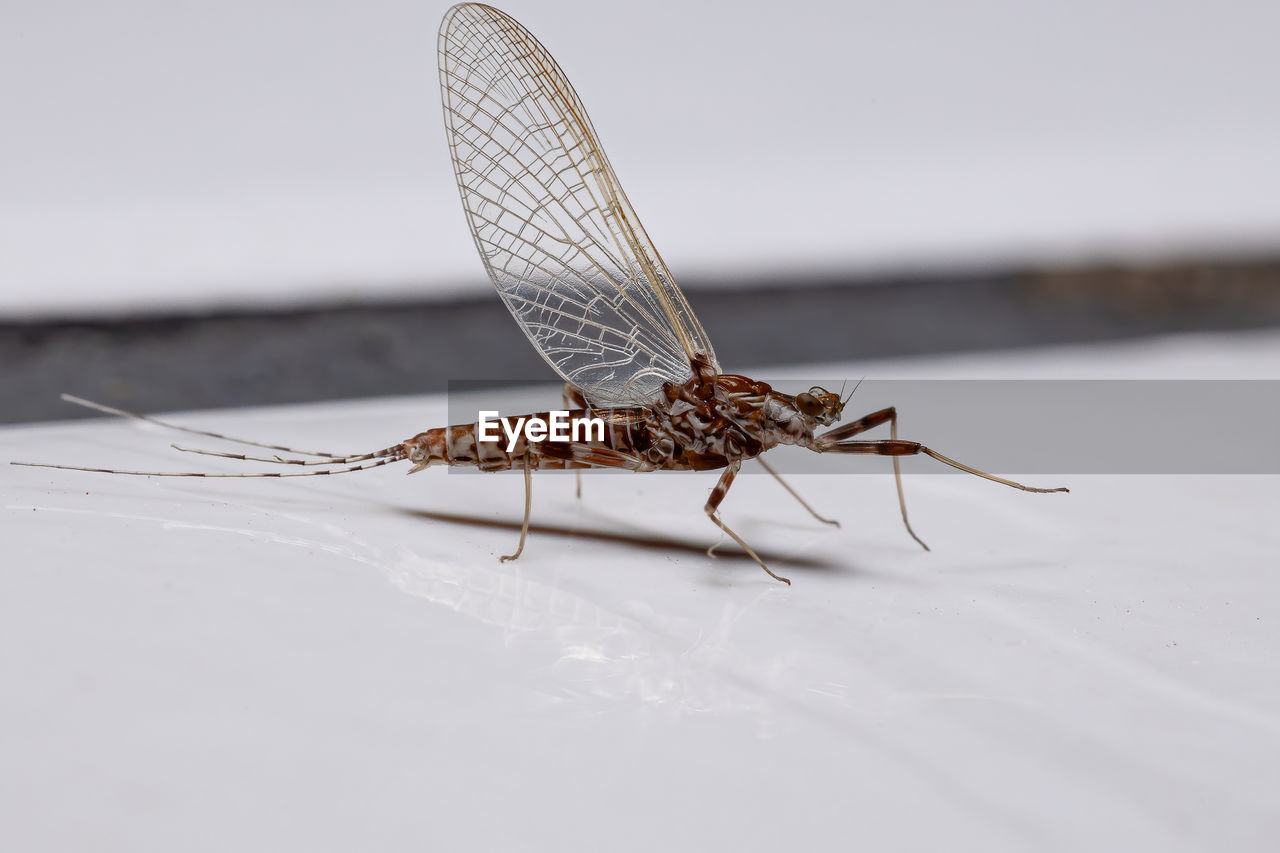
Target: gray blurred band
1016	426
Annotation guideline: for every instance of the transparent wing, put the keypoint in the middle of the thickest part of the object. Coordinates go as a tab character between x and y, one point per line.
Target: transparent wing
553	226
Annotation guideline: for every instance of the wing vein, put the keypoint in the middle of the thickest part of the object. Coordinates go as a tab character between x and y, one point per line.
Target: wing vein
554	228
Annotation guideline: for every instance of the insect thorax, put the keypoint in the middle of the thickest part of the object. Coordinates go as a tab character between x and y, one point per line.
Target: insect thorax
705	425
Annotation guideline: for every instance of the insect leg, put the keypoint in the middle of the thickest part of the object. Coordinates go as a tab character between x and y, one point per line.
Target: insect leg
862	424
574	399
794	494
869	422
528	504
713	504
911	448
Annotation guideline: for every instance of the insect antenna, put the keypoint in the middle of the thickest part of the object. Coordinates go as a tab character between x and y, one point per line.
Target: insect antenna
99	407
846	400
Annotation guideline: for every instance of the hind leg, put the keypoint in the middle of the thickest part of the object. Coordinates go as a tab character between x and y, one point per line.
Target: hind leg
528	506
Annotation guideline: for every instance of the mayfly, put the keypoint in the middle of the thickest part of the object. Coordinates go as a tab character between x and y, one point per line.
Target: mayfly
572	262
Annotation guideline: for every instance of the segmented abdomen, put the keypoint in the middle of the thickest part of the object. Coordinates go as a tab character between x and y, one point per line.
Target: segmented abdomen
624	441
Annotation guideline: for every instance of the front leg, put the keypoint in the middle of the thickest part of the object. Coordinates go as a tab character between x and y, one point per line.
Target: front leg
897	448
875	419
713	503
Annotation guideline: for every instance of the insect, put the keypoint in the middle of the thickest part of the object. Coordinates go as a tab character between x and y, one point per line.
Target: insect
584	282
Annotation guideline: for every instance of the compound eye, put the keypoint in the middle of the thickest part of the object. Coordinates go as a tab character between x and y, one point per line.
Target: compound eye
809	404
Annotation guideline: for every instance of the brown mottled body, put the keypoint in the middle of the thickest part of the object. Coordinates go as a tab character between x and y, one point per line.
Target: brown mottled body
459	445
710	422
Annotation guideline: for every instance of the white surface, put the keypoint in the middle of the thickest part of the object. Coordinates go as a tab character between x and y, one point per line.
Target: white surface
323	664
158	155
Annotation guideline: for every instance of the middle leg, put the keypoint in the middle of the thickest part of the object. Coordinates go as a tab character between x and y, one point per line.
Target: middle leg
795	494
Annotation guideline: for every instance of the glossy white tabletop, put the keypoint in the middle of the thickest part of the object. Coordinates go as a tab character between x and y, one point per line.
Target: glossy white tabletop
343	663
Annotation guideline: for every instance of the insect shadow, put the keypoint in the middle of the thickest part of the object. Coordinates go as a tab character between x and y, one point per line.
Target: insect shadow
653	542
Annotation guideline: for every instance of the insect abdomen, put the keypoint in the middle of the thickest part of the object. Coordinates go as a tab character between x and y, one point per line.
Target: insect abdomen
459	445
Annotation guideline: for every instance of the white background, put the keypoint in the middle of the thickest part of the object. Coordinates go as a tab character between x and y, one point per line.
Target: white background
338	664
158	154
344	664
